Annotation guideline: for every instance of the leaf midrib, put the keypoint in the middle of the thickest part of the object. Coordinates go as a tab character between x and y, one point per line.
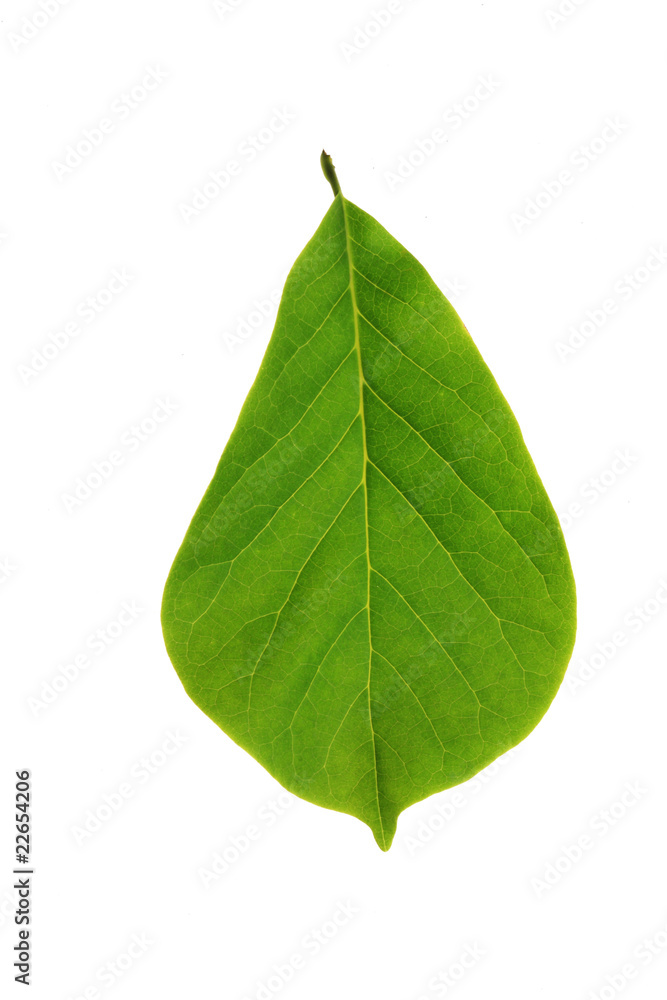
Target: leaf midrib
357	344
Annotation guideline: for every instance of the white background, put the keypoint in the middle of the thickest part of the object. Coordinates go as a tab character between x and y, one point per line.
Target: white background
483	880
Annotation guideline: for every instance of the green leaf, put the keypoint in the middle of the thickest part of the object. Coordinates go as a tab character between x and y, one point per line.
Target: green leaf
374	598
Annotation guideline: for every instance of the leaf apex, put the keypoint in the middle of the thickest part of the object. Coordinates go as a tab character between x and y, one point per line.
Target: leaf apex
383	835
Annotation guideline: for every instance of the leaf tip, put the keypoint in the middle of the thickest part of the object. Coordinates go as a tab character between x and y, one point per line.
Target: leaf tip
383	835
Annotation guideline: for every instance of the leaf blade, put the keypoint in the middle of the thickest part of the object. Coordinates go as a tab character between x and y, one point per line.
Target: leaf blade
365	598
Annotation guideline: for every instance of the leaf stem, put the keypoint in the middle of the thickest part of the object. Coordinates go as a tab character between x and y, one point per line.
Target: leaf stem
330	172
